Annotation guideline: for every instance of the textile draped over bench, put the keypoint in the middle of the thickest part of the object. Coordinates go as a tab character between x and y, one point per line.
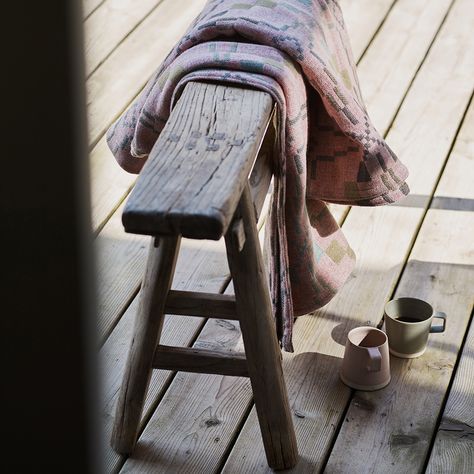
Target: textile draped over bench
327	148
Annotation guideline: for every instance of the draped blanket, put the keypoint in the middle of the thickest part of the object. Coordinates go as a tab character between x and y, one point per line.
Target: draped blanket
327	148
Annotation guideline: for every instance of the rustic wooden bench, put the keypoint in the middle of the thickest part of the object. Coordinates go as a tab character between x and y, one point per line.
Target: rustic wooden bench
206	177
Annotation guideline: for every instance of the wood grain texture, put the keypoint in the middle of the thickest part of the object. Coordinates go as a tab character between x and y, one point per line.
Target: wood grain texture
120	263
395	54
254	309
199	414
112	87
362	28
260	179
149	321
109	185
201	266
120	254
453	450
201	361
109	24
191	303
197	169
88	6
381	239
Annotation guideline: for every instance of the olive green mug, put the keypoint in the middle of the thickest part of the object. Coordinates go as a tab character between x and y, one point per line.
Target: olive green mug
408	323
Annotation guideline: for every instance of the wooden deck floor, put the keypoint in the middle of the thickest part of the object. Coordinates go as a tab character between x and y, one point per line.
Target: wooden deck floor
416	68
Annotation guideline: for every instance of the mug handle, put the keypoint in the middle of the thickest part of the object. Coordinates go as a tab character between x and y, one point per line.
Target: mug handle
375	364
442	328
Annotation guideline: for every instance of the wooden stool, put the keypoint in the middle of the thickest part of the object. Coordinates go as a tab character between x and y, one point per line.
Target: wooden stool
196	184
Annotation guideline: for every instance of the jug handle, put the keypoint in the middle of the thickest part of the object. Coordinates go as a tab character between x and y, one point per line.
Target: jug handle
375	364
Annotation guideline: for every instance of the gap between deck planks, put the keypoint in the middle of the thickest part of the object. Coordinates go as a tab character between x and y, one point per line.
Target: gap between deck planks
124	73
398	217
89	6
109	24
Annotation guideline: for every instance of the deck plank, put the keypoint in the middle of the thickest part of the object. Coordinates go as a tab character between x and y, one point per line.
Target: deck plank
109	185
396	53
453	450
391	430
119	79
88	6
363	27
109	24
381	238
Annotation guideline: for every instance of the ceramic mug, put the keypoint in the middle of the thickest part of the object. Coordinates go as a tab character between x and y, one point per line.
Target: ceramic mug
366	363
408	323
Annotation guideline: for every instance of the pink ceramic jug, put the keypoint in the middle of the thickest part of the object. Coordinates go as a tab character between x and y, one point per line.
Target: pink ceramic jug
366	364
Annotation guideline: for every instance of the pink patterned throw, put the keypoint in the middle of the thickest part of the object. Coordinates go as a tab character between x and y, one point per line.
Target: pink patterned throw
328	149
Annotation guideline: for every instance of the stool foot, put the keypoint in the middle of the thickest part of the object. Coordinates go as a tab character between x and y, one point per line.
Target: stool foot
263	353
148	325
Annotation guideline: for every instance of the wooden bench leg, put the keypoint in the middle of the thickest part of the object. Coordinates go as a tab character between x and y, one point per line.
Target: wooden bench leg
148	324
254	310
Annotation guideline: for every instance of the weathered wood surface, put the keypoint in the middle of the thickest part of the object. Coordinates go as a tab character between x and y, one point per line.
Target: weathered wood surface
396	53
254	309
210	305
200	418
201	266
121	263
390	430
111	88
381	239
362	28
122	255
201	361
453	450
88	6
149	321
192	180
189	434
109	24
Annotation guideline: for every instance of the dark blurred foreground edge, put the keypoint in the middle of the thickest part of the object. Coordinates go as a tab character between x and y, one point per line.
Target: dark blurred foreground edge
48	380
